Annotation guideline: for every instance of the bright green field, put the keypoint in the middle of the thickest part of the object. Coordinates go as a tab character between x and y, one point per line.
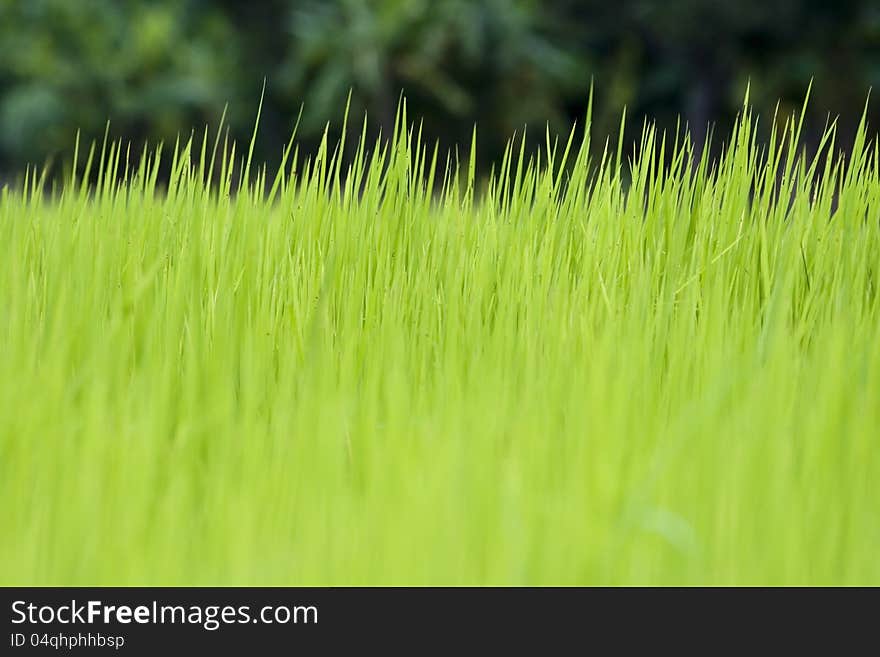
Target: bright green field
584	371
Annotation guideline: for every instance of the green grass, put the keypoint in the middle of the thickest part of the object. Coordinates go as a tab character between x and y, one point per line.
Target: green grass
584	371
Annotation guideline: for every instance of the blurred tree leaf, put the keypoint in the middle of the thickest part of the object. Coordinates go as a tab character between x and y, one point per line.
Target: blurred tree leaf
158	67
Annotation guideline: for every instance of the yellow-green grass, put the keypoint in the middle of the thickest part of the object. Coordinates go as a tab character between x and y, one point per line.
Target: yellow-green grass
374	369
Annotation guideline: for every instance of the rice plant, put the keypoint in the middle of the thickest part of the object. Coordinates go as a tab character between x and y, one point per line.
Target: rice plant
603	364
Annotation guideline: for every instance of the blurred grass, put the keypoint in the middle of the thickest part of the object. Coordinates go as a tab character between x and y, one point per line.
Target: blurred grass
344	376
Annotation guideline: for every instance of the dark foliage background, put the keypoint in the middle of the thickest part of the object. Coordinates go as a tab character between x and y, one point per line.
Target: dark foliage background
159	67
